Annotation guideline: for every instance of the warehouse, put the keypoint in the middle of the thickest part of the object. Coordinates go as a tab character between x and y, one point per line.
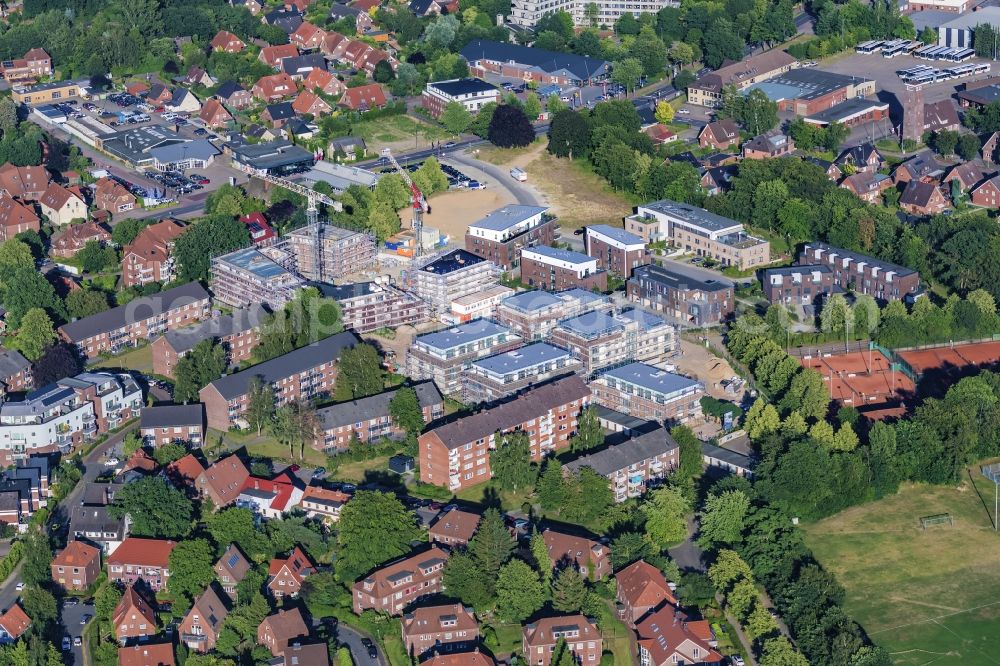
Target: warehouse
851	112
958	32
809	91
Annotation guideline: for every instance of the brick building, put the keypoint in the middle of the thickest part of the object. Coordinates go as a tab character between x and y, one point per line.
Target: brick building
392	587
223	480
369	306
600	340
134	617
797	285
922	199
806	91
582	637
503	233
318	502
478	306
471	93
36	64
141	559
166	424
77	566
707	91
148	258
157	654
454	528
640	589
861	273
591	558
342	252
456	455
556	269
441	356
15	372
533	314
286	574
238	333
631	465
248	276
615	249
532	64
439	630
684	294
667	637
495	377
74	238
231	568
368	419
200	628
649	393
278	631
441	280
112	196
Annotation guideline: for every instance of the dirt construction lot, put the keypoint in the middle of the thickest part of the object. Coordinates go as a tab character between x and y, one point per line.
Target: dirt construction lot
698	362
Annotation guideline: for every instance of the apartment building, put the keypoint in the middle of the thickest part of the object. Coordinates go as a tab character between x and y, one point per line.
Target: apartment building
137	321
93	525
556	269
707	91
443	355
305	373
141	559
77	566
369	306
797	285
391	588
533	314
503	233
439	281
478	306
368	419
456	455
342	252
633	464
700	232
249	276
473	94
495	377
149	258
200	628
600	339
62	416
861	273
514	61
649	393
581	635
167	424
591	558
693	296
238	333
439	630
615	249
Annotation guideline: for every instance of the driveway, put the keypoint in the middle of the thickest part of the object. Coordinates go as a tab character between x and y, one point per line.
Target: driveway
352	639
687	554
71	618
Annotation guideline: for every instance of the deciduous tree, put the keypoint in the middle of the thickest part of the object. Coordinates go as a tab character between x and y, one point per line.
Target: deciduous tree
519	591
510	128
34	335
666	511
191	571
374	528
155	508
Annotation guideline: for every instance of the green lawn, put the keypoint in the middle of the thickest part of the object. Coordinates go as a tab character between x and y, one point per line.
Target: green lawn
398	128
355	471
928	596
140	359
510	500
264	446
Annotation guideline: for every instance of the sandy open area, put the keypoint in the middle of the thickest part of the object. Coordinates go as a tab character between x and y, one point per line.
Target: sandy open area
698	362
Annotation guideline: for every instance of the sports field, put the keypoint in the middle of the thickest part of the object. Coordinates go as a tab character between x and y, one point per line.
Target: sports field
928	596
860	379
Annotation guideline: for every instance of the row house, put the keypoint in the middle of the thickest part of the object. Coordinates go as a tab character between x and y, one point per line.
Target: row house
368	420
286	574
454	528
112	196
442	356
250	275
504	233
600	339
77	566
15	372
369	306
591	558
303	374
457	455
634	464
231	569
222	481
582	637
234	95
861	273
137	559
649	393
36	64
695	297
556	269
441	280
797	285
75	237
318	502
137	321
168	424
867	186
615	249
200	628
532	315
392	587
149	258
238	333
495	377
439	630
134	618
478	306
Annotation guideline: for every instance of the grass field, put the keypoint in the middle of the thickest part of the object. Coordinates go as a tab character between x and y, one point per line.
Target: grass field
580	197
399	132
140	359
928	596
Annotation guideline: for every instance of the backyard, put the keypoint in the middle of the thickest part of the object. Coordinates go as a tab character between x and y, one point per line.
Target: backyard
927	595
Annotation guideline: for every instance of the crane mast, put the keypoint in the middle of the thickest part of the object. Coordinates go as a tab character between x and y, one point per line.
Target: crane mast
417	201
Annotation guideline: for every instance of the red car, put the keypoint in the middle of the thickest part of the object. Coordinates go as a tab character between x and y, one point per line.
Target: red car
293	468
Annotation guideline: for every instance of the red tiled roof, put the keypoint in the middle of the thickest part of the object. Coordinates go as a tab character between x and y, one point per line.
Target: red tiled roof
272	55
367	97
147	552
185	471
15	621
160	654
282	486
642	584
76	554
666	633
133	601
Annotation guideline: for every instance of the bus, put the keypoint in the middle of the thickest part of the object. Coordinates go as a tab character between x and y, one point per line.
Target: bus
896	49
923	79
922	53
981	68
913	71
962	55
873	46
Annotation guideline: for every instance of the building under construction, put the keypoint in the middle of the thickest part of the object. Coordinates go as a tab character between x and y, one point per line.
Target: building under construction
341	252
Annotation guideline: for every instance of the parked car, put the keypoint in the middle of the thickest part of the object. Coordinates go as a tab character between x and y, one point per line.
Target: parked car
77	641
476	185
111	462
67	644
372	651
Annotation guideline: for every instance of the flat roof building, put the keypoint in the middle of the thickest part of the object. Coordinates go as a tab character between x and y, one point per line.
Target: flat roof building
342	251
505	232
495	377
277	157
647	392
600	339
442	279
556	269
471	93
533	314
248	276
806	91
683	293
443	355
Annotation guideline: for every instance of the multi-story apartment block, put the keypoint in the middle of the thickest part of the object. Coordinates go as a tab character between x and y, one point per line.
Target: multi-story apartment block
239	334
62	416
440	630
369	306
393	587
861	273
137	321
200	628
600	339
495	377
582	637
692	296
797	285
166	424
442	356
649	393
533	314
77	566
527	13
699	231
149	257
440	281
249	276
615	249
141	559
471	93
591	558
556	269
478	306
368	419
502	234
631	465
15	372
457	455
303	374
343	252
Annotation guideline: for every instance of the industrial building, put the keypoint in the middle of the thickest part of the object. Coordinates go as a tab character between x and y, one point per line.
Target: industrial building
806	91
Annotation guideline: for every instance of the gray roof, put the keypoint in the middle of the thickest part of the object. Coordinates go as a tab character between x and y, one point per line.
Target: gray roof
530	301
345	142
591	324
583	296
373	407
280	111
807	83
691	214
463	334
199	149
969	20
857	256
228	89
466	86
137	310
99	494
455	260
624	420
646	320
271	155
651	378
134	144
580	67
94	519
38	401
617	233
306	62
253	261
184	339
521	358
559	254
339	176
795	269
734	458
324	351
621	456
11	363
681	277
165	416
847	109
504	218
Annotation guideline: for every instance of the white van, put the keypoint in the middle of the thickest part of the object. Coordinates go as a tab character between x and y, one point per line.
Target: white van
518	174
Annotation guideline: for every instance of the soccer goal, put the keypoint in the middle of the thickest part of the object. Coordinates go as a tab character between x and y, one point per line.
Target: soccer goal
936	520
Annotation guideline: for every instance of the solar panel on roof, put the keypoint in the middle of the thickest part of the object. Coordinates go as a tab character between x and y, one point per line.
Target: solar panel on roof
233	559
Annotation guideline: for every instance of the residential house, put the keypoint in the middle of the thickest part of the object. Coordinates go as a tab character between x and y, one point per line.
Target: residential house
149	258
797	285
920	198
223	480
324	81
581	635
364	98
214	114
423	8
157	654
198	76
273	87
27	183
95	526
989	150
15	372
591	558
158	94
717	179
286	574
36	64
394	586
255	7
183	101
77	566
318	502
260	231
301	66
987	193
442	356
228	42
303	654
234	95
441	279
768	146
167	424
862	273
183	473
13	623
863	157
307	36
439	630
488	57
62	205
473	94
15	217
286	19
362	19
232	568
505	232
270	498
280	629
200	628
867	185
941	116
647	392
141	559
632	466
311	103
134	617
278	114
968	175
496	377
472	658
75	237
454	528
640	588
368	420
922	166
659	134
112	196
273	55
720	134
667	637
480	305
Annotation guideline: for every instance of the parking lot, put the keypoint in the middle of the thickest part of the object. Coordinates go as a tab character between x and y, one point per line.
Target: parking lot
456	179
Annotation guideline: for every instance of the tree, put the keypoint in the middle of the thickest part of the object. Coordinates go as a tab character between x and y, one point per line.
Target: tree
57	361
945	142
202	365
25	289
167	453
94	257
665	510
40	606
491	546
807	394
360	373
588	497
383	72
728	569
260	403
835	316
155	508
36	567
779	652
551	488
664	112
532	107
689	458
519	591
466	581
344	653
723	517
34	335
589	433
82	303
106	600
627	73
627	548
430	178
762	419
540	553
295	425
569	134
374	528
191	568
510	128
206	238
131	444
456	118
569	590
405	411
759	113
383	220
8	114
968	146
510	461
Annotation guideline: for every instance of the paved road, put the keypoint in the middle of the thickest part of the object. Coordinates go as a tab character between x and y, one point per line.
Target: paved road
72	616
352	639
687	554
523	194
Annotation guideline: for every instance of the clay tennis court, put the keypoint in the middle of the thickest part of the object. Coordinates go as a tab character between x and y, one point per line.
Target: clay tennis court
859	379
958	357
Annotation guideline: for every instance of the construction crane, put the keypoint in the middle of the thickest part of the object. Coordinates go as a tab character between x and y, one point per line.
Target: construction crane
313	198
417	200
